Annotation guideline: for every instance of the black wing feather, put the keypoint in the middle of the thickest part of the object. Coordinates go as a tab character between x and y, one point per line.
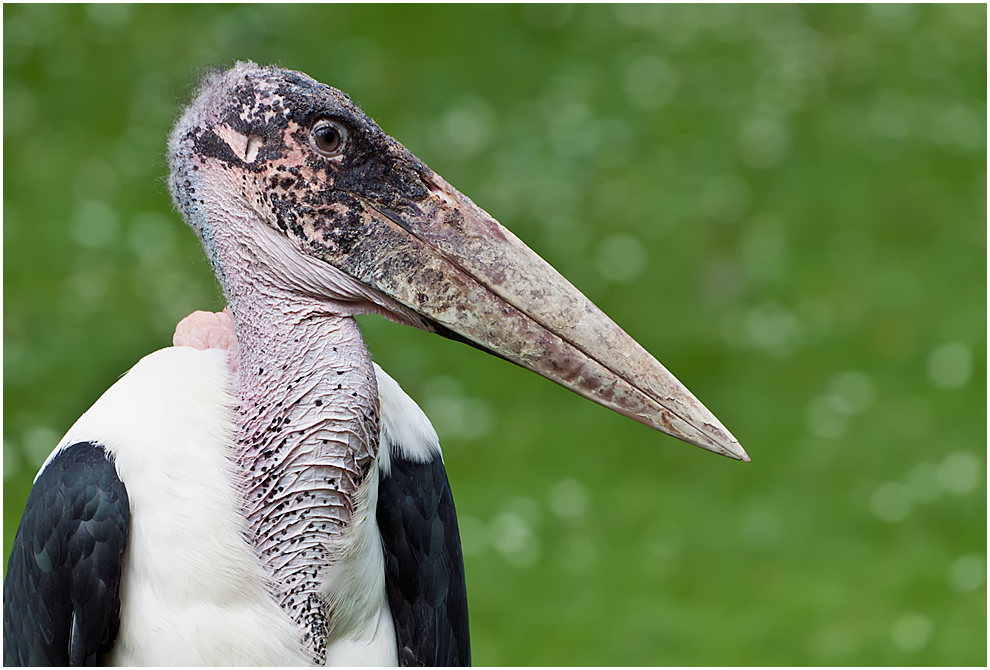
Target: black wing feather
424	569
61	601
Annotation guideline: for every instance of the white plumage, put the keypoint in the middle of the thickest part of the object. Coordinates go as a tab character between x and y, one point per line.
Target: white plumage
193	590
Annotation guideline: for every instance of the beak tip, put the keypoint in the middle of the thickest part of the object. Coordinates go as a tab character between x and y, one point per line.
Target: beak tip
735	451
713	436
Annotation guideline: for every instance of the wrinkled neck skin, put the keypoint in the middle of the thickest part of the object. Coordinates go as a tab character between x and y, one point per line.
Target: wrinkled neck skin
309	424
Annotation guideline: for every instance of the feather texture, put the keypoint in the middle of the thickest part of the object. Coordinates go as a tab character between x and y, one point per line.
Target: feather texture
193	591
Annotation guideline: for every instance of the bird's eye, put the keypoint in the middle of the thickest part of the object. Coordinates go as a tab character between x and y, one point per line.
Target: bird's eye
328	138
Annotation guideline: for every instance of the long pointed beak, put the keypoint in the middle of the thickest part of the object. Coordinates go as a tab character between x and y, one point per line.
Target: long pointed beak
451	262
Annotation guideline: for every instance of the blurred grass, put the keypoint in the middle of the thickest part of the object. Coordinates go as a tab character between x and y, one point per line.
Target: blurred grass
787	205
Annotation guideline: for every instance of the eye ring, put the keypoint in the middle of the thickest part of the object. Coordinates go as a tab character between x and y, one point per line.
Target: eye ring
328	138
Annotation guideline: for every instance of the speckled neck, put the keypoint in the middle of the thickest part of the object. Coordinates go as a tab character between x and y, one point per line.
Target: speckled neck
308	435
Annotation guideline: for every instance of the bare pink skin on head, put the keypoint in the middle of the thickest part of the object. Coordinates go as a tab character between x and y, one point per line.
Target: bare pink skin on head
209	330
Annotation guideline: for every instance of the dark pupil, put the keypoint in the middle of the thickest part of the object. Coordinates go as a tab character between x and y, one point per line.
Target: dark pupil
328	139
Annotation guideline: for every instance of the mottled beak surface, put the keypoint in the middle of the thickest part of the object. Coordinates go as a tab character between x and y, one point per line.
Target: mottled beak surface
329	180
455	265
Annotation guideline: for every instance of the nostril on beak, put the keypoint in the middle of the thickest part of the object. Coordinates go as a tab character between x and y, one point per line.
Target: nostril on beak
254	144
437	186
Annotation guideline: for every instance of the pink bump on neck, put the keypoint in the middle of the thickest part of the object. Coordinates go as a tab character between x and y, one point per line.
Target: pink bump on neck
209	330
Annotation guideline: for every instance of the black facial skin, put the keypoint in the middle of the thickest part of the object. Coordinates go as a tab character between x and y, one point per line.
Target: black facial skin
372	166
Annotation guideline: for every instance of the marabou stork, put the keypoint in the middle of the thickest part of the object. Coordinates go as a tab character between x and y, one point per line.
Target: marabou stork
262	493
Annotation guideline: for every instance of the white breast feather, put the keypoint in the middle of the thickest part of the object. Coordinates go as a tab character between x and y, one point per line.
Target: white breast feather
193	591
362	631
404	426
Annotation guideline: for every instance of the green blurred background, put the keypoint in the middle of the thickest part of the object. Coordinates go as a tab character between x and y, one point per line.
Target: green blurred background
787	205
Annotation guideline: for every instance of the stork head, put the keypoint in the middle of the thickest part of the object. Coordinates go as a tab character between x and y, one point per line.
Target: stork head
290	177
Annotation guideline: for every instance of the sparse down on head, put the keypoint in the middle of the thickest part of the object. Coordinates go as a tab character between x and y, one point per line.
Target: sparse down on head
278	173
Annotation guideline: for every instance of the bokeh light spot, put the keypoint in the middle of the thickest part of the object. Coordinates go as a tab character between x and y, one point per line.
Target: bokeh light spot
18	41
12	461
950	365
772	327
891	502
959	129
573	130
959	472
526	508
465	129
857	389
967	573
650	82
569	499
892	16
763	142
90	282
454	414
37	444
620	258
114	15
912	632
515	540
95	225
